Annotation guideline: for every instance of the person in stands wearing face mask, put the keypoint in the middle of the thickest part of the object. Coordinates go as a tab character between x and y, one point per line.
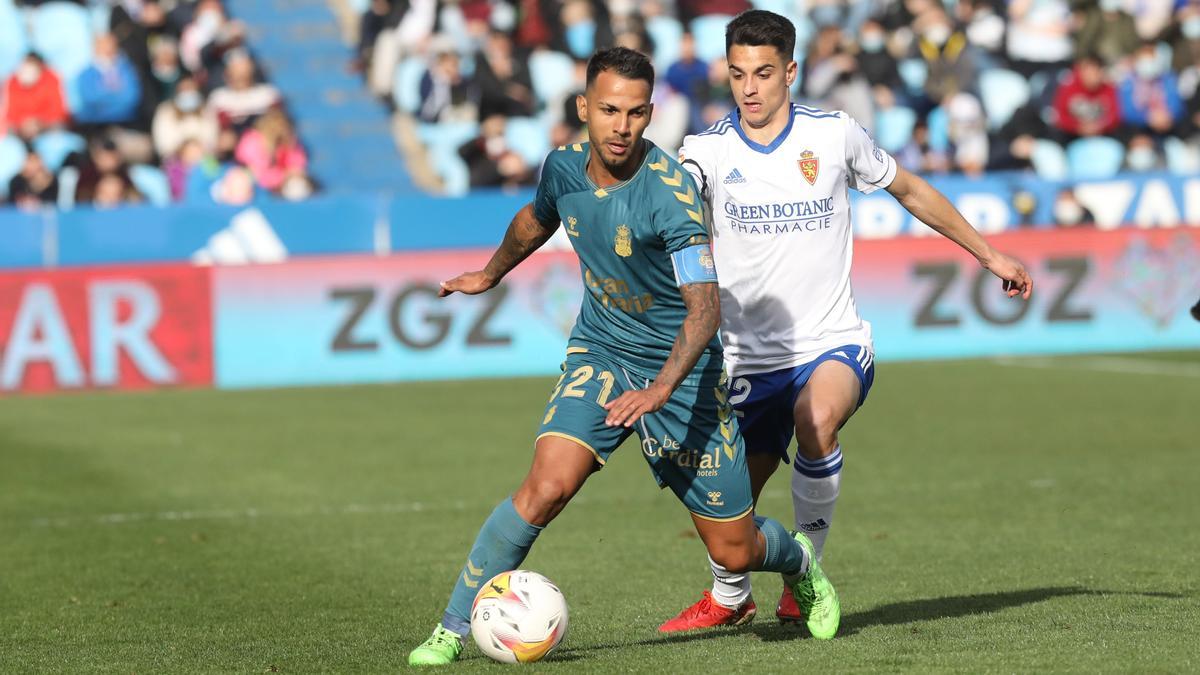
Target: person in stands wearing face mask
182	118
109	89
948	55
1142	154
874	61
1085	103
34	98
1068	212
1149	95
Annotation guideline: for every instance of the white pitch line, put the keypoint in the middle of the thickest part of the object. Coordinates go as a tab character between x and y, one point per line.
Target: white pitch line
1106	364
247	514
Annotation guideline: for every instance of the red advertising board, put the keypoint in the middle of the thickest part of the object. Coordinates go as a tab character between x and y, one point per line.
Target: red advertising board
105	328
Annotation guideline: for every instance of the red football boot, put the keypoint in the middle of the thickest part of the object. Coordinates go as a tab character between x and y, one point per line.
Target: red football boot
708	614
787	611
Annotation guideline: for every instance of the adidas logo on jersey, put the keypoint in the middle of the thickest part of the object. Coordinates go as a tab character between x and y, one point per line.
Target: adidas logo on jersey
734	176
818	524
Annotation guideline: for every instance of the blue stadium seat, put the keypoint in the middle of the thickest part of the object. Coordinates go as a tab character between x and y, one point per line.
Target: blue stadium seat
61	32
914	72
709	31
1002	92
1182	157
447	134
54	147
938	124
152	183
12	156
406	88
553	74
455	175
1049	160
893	127
1097	157
666	32
529	137
13	43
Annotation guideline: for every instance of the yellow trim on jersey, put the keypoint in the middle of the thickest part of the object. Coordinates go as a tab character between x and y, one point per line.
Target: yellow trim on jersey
723	520
569	437
576	350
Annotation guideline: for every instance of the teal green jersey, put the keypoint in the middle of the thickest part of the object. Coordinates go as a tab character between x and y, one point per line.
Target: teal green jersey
625	235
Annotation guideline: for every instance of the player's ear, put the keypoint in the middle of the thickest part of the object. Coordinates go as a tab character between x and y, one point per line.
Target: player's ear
790	72
581	107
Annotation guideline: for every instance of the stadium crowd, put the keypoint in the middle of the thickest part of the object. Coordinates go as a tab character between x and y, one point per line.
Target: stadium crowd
1061	87
131	101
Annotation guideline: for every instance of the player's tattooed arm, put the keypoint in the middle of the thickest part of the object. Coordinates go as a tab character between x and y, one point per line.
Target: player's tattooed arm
525	235
699	326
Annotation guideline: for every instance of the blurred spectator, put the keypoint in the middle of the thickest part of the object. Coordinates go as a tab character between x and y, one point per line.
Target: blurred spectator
690	9
1069	212
1150	16
718	100
1085	103
968	132
947	55
1039	35
208	38
271	151
34	185
180	165
103	159
984	28
241	100
689	77
832	79
235	187
380	15
109	90
490	161
184	118
446	94
504	84
165	71
1149	95
876	64
1142	155
918	155
113	190
34	98
1107	32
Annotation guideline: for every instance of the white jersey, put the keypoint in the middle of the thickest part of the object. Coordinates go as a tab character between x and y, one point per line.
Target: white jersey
781	233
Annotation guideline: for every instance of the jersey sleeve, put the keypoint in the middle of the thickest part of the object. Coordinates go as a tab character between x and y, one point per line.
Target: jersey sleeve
698	161
545	203
870	168
677	208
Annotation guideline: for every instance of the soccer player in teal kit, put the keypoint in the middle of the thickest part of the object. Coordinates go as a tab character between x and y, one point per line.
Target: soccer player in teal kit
643	355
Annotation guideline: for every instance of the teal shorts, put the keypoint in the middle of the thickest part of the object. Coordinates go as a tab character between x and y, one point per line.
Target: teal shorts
693	445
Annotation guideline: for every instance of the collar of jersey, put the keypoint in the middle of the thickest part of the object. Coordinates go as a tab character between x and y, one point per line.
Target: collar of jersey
617	186
759	147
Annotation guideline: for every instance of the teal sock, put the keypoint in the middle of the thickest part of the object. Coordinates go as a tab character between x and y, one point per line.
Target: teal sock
784	554
501	545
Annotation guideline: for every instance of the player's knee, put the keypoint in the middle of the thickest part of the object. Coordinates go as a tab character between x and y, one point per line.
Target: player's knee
816	430
735	559
542	499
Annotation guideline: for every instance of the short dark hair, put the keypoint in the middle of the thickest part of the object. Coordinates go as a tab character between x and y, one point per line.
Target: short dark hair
756	27
627	63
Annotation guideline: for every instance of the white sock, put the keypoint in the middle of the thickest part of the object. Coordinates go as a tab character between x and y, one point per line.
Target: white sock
729	590
815	487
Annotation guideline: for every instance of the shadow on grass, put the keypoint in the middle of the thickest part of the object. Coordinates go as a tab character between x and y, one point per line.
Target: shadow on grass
897	613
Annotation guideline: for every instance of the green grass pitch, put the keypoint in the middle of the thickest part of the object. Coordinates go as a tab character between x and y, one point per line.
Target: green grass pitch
1032	515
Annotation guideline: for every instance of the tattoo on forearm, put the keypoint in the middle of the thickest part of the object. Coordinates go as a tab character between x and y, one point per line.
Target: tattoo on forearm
699	326
523	236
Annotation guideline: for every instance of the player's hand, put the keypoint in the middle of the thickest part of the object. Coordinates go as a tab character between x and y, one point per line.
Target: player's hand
471	283
630	406
1016	280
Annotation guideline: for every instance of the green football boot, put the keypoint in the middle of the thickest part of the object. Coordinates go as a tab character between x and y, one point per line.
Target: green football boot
442	648
815	595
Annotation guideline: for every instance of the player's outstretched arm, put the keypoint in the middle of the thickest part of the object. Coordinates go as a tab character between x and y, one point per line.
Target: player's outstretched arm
524	236
932	208
699	326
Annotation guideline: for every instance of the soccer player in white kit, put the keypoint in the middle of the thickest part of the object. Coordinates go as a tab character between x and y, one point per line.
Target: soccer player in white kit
775	176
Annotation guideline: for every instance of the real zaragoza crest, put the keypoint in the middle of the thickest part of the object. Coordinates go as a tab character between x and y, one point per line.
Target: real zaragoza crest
623	244
809	166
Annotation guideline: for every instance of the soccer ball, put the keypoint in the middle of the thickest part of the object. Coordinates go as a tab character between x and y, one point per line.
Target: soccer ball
518	617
